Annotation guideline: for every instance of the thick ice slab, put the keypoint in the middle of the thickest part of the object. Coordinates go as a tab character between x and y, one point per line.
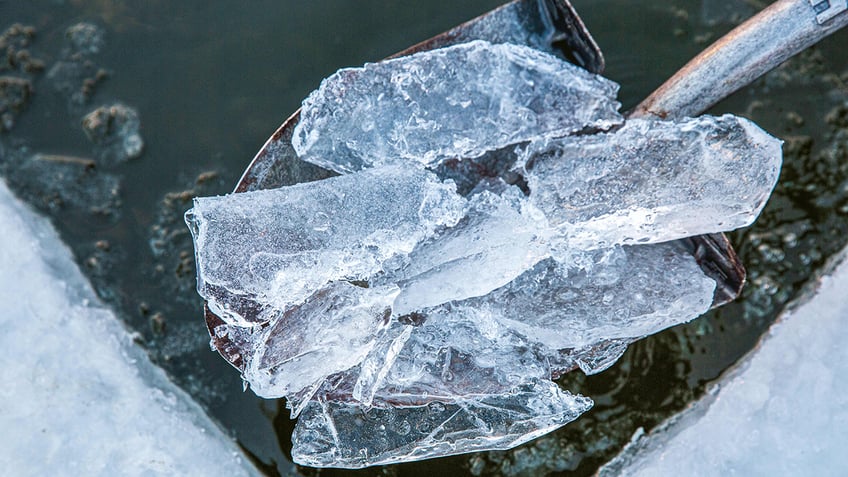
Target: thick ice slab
454	102
472	355
628	292
653	181
451	354
784	411
260	253
78	396
338	434
488	344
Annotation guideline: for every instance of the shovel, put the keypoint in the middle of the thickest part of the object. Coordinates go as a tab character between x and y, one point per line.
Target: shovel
760	44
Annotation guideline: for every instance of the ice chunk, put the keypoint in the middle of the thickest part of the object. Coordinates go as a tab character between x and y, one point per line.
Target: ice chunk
629	292
598	358
782	411
494	237
653	181
457	353
340	434
332	331
472	355
259	253
492	342
454	102
79	397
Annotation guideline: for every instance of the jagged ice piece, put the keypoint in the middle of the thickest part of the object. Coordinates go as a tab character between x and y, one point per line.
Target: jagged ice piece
630	292
453	102
451	355
494	238
343	434
653	181
260	253
495	341
331	332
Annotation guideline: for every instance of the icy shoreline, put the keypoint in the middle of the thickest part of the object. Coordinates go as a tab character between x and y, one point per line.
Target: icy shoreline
79	397
781	412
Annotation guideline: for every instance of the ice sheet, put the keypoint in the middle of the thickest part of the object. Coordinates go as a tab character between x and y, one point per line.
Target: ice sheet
79	397
784	411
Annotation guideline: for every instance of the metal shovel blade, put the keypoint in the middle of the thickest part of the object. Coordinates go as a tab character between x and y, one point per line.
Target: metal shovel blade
277	165
760	44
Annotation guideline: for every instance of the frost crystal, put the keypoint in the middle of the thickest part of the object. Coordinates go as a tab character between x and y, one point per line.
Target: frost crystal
402	320
454	102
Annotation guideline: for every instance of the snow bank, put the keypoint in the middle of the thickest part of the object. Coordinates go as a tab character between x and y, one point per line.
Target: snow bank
77	396
783	412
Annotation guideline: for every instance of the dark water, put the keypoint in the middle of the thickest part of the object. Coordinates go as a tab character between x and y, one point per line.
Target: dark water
212	79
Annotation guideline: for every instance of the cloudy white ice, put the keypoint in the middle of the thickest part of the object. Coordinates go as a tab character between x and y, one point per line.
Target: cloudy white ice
78	396
783	412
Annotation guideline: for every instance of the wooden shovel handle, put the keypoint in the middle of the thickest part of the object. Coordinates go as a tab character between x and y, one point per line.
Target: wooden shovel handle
753	48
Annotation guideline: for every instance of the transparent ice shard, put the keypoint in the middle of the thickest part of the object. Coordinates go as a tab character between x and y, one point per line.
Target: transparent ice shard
629	292
653	181
495	237
374	369
488	344
457	353
259	253
454	102
331	332
343	434
599	358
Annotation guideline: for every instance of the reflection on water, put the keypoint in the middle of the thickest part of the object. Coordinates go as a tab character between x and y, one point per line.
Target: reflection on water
211	80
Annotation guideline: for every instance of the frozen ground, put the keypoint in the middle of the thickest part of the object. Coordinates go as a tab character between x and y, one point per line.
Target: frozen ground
783	412
78	396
